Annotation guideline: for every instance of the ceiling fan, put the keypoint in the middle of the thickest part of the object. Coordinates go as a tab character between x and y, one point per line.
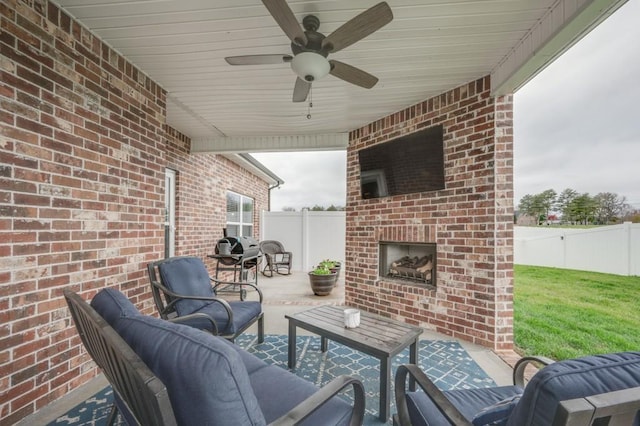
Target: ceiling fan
311	48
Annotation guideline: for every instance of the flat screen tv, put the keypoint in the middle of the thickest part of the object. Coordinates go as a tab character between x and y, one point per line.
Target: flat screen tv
405	165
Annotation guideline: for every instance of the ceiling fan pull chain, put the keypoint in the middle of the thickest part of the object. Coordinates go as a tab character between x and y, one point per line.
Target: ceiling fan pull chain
310	103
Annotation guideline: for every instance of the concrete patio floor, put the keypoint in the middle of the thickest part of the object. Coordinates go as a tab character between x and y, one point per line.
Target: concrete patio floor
286	294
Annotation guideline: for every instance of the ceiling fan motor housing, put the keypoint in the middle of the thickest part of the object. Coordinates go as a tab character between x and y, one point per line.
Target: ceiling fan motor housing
309	61
314	38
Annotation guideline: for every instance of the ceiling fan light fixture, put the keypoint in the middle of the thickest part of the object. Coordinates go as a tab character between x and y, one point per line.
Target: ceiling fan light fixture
310	66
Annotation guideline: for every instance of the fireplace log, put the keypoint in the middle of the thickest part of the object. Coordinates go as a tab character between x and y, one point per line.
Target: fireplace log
426	267
412	267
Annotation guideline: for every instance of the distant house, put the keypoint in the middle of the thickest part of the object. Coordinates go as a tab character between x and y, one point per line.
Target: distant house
526	220
553	219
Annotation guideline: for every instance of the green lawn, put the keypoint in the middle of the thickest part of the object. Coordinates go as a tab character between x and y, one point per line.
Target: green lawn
563	313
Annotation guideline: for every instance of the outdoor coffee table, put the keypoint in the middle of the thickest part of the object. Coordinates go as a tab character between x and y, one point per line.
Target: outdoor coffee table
380	337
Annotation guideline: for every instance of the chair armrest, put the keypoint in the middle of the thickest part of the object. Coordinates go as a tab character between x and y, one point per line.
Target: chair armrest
223	302
439	399
175	297
612	408
186	318
521	365
315	401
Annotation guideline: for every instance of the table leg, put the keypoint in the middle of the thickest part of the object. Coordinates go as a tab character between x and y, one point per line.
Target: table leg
324	344
413	359
385	395
292	345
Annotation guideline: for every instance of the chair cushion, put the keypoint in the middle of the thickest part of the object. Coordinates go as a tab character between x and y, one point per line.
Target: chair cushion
496	414
279	391
244	312
186	276
204	375
575	378
468	401
210	380
113	305
206	380
251	362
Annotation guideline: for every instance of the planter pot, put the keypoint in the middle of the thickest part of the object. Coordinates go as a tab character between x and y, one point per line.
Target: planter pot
336	269
321	285
336	272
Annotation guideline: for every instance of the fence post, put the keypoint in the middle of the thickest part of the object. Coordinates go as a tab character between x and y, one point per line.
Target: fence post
563	238
263	225
627	231
305	240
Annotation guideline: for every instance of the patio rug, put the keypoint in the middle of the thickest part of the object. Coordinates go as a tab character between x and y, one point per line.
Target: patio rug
445	362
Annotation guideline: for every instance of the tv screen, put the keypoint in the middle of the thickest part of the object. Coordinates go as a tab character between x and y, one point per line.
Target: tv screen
409	164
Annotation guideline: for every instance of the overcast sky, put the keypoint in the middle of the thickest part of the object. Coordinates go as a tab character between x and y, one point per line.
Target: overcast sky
577	125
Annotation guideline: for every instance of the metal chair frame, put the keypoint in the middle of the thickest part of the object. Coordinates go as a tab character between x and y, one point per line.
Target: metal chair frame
611	408
144	399
165	301
142	396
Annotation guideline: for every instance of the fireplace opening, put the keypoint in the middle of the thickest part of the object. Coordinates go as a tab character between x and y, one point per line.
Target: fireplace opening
411	262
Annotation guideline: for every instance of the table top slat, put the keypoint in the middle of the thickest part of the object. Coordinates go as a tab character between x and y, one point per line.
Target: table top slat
375	335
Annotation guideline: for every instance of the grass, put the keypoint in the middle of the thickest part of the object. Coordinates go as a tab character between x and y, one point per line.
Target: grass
562	313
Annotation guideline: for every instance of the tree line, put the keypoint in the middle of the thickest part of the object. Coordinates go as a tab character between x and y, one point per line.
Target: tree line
316	208
576	208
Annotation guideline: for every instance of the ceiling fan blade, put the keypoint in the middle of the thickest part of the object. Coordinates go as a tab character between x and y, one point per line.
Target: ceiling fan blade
258	59
358	27
301	90
352	74
284	16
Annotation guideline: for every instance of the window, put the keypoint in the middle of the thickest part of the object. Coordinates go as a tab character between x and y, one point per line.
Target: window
239	215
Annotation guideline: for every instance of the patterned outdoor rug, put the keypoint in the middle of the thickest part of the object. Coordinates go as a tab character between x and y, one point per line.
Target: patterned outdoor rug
445	362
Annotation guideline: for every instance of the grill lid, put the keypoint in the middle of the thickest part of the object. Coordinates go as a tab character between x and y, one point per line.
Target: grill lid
238	247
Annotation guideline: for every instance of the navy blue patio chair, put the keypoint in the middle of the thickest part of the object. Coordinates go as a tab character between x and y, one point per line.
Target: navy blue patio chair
592	390
183	292
139	396
164	374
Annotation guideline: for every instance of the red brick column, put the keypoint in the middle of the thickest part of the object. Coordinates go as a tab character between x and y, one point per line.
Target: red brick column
471	220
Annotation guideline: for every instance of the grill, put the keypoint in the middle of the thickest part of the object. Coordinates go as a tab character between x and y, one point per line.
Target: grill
232	250
236	255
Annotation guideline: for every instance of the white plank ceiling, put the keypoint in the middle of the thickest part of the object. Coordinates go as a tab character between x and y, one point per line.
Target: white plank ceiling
430	46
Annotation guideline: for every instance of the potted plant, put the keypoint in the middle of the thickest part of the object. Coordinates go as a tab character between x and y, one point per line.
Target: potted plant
332	265
322	280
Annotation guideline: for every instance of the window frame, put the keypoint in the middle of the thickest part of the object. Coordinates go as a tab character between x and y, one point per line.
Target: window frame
241	224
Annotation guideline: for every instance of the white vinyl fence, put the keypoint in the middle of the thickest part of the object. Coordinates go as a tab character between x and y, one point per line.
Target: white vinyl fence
314	236
610	249
311	236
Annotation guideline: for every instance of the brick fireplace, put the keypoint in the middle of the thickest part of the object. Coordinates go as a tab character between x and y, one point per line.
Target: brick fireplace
469	223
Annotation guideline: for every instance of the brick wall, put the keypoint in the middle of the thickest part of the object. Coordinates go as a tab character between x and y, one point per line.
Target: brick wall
83	151
202	182
471	220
